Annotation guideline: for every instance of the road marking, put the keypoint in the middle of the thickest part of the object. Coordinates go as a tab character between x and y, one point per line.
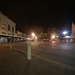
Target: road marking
55	62
50	61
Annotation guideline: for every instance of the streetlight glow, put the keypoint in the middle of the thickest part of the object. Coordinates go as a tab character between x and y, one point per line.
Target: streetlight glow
33	34
64	32
53	36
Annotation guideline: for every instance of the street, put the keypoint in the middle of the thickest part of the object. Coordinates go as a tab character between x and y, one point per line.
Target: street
48	58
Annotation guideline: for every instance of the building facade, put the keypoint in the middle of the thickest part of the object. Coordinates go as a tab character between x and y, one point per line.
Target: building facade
73	29
7	26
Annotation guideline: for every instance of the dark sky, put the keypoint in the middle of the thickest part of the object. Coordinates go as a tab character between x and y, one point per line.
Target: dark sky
32	14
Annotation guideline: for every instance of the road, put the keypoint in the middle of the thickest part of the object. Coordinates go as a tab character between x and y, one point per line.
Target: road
48	58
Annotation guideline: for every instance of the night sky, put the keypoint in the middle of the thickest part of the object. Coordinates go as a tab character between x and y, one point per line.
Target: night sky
30	15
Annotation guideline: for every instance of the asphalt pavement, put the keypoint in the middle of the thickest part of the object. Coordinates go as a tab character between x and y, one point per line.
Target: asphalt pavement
48	58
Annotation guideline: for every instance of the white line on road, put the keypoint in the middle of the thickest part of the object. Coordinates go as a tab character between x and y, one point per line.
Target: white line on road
50	61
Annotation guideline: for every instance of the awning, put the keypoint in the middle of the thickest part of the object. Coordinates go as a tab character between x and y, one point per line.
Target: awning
69	37
5	35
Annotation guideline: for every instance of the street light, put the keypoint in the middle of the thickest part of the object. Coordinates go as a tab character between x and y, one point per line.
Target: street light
65	32
33	34
53	36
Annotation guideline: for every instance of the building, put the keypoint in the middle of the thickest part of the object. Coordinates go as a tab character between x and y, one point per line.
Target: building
7	26
70	38
19	33
73	29
22	35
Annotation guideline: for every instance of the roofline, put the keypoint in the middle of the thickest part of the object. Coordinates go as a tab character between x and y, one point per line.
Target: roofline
8	18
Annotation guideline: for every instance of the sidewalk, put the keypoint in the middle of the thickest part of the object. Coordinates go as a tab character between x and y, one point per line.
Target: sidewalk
11	62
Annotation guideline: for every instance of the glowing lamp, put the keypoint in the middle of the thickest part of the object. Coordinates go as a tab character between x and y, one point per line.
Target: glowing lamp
64	32
33	34
53	36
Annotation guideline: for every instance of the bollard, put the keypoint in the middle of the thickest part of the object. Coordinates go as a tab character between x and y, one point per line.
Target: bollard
3	43
11	45
29	52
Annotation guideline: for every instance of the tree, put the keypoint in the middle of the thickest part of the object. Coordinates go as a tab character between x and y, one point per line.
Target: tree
49	32
52	31
40	33
44	35
41	30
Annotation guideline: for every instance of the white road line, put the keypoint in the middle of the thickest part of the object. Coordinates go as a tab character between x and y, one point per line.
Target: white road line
50	61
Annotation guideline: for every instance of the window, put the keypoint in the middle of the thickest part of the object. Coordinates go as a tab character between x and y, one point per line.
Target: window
12	33
8	27
3	25
12	29
3	33
9	34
